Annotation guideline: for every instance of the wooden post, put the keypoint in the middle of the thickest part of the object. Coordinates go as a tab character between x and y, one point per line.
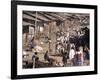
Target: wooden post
52	37
49	37
26	39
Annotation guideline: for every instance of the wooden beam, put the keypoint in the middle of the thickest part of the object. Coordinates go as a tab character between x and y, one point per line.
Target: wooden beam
29	17
29	20
34	16
39	17
50	16
41	13
58	17
48	13
27	23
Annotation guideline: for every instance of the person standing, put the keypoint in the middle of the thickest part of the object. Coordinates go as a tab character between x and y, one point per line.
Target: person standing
34	58
78	57
46	56
86	56
65	58
71	55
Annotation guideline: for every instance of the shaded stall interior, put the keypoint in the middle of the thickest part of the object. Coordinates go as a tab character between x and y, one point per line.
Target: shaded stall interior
44	29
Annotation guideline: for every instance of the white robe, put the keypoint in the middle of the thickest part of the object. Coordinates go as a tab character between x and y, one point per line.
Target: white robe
71	54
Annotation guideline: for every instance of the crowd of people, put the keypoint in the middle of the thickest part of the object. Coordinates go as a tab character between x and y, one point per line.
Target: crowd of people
73	49
75	57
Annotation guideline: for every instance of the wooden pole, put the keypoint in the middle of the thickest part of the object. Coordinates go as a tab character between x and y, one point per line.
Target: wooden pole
49	37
